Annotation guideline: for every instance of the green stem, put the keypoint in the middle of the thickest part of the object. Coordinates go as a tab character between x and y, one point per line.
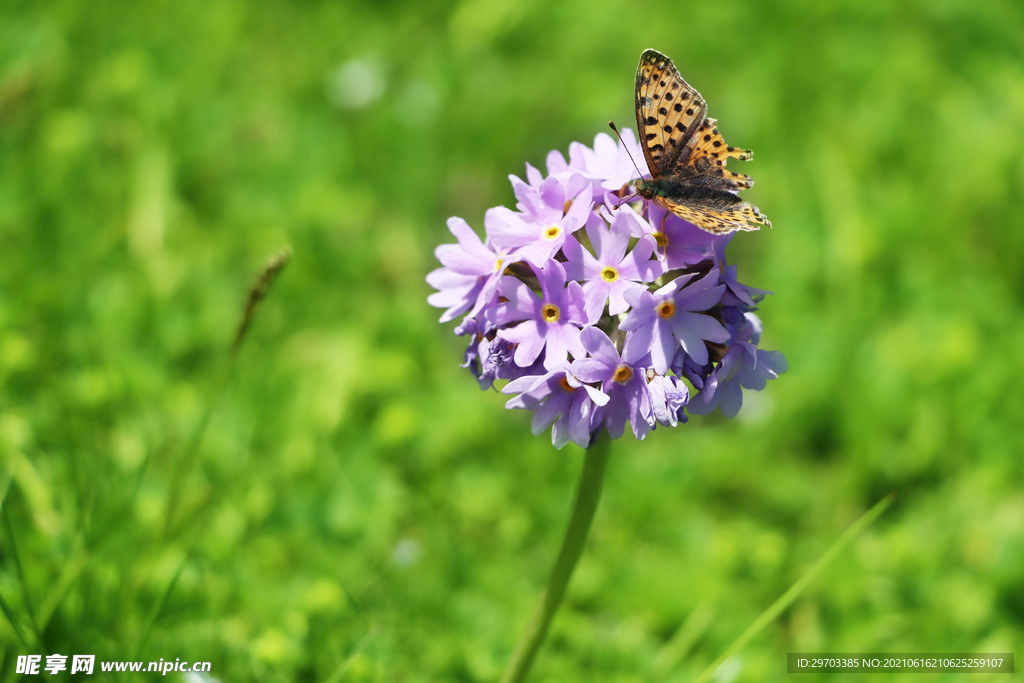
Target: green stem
257	292
588	493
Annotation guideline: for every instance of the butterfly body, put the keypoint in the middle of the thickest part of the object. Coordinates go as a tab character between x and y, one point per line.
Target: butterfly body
686	154
677	190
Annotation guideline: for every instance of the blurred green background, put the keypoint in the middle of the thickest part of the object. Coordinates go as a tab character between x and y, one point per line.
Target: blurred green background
356	509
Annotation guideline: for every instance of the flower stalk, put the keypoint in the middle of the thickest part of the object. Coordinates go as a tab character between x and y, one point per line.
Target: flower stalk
588	493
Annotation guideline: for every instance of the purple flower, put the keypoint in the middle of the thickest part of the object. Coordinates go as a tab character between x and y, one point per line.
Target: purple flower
737	294
681	243
495	361
533	178
557	398
638	225
661	321
613	272
543	200
487	357
470	274
543	303
540	230
559	168
458	292
624	383
610	163
668	396
549	321
743	365
686	367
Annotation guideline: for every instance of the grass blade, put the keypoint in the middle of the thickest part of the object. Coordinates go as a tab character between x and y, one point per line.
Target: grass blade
797	588
14	622
21	578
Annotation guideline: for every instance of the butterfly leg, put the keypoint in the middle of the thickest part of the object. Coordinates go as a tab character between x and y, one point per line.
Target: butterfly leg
661	238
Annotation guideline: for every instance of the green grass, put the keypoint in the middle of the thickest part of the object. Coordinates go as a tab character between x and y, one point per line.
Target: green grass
355	508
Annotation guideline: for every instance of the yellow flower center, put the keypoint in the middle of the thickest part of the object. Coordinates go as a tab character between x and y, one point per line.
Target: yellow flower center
609	274
666	309
661	238
497	265
550	313
623	374
552	231
566	387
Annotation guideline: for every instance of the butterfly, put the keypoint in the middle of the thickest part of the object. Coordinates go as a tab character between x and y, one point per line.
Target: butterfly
686	154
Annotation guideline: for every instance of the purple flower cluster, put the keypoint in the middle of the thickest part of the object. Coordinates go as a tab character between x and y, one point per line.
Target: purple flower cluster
596	314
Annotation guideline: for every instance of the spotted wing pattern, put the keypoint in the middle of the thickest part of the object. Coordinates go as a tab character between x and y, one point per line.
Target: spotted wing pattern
668	111
679	142
718	221
705	164
708	144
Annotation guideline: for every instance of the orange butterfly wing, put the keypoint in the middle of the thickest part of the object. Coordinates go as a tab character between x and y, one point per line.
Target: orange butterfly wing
668	111
718	221
680	143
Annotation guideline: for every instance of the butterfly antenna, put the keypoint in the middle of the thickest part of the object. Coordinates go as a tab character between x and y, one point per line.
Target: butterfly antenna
627	199
612	124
